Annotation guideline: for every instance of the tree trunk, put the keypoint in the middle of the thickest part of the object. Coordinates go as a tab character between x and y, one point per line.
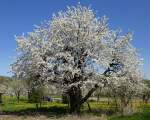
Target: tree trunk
18	97
29	96
98	97
74	99
89	107
0	97
37	106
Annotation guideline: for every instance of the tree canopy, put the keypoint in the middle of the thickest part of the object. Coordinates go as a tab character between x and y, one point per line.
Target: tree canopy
65	50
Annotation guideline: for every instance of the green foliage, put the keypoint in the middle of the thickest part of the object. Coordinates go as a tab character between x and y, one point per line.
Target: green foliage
147	82
37	95
57	108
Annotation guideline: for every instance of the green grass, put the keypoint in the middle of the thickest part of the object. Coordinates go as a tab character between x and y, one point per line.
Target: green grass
11	105
25	106
144	115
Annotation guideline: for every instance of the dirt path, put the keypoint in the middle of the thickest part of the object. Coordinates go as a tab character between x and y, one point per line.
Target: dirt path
39	117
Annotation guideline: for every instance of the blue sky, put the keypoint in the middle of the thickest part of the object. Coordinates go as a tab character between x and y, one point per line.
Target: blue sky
20	16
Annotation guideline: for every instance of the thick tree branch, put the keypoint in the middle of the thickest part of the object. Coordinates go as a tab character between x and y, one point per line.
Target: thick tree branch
89	94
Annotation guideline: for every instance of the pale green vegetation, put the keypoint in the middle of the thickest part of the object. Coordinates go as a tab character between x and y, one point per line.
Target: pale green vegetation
57	110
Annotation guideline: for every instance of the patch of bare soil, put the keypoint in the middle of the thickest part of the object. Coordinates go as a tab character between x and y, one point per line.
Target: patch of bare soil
39	117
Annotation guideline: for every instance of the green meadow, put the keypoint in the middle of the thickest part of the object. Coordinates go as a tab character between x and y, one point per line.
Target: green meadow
58	110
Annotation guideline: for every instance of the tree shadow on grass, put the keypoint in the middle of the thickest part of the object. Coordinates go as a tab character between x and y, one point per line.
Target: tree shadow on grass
53	111
56	112
99	112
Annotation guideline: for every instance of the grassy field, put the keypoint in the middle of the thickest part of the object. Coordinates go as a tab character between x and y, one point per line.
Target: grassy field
12	110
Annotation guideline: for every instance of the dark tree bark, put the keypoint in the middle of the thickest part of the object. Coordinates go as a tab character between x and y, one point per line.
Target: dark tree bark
89	94
89	106
18	96
29	96
74	99
0	97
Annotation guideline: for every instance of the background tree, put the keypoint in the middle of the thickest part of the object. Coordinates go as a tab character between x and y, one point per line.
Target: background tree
146	91
18	88
124	68
4	83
